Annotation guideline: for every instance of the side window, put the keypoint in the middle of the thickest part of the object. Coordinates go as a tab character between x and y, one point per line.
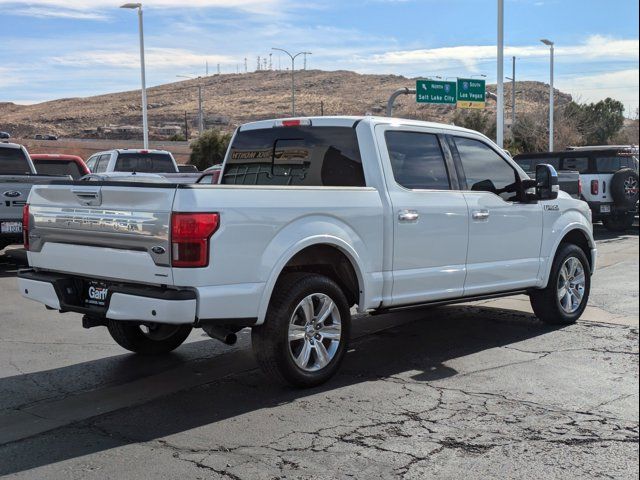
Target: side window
103	163
484	169
581	164
417	160
91	163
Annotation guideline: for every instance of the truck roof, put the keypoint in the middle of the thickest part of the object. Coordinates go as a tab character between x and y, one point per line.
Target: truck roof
349	121
10	145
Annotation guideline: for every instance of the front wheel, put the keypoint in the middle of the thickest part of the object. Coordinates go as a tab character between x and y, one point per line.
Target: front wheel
567	293
148	339
306	331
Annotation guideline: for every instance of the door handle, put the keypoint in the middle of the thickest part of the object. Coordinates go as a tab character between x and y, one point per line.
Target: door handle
408	216
480	215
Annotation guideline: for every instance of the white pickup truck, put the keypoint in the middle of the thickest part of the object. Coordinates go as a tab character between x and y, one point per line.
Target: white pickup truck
310	217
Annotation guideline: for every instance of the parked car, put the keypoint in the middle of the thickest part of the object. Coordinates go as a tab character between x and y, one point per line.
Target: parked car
211	175
569	180
609	177
17	175
312	216
187	169
132	160
57	164
4	135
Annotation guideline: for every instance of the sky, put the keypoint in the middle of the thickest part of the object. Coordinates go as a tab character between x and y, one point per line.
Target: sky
53	49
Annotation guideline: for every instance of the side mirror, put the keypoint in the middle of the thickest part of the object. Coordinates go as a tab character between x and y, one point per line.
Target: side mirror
547	186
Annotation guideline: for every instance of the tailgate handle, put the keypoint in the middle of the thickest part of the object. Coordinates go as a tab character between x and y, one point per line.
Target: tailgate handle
91	197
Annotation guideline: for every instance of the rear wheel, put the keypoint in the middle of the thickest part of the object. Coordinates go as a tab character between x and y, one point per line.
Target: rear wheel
619	223
306	331
567	293
150	338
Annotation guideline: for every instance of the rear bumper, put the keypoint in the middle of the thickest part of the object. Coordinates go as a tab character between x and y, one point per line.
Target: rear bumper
123	302
228	305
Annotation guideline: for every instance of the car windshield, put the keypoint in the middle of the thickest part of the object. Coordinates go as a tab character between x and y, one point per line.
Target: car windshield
145	163
58	167
13	162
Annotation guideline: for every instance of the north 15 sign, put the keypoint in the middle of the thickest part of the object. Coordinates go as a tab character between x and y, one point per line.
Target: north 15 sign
435	91
471	93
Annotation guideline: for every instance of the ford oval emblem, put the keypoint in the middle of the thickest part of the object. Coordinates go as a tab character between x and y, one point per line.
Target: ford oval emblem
158	250
12	194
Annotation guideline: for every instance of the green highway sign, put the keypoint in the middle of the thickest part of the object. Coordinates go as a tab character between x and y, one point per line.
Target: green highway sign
435	91
471	93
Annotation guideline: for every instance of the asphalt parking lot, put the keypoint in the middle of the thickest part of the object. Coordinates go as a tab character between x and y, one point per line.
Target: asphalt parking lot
482	390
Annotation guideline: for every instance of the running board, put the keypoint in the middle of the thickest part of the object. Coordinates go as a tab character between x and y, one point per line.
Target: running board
450	301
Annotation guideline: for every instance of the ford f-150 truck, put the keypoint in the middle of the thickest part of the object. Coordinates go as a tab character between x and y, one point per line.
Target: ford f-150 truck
17	175
310	217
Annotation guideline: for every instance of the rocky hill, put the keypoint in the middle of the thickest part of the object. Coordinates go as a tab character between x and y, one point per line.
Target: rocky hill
236	98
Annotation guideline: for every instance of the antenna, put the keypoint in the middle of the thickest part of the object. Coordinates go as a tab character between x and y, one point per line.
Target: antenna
271	61
258	69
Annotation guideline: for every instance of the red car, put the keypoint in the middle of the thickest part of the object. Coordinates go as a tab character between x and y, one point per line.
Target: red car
54	164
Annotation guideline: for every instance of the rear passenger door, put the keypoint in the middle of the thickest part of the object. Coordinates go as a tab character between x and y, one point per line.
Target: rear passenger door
505	235
430	217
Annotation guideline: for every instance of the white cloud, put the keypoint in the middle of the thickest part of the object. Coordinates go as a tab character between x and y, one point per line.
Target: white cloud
154	57
45	12
621	85
97	7
595	47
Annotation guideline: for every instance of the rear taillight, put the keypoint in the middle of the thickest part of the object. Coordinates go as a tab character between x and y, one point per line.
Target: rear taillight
190	234
595	187
25	226
579	187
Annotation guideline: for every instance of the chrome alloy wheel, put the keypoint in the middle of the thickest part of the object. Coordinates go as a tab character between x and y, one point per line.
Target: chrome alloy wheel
571	285
314	333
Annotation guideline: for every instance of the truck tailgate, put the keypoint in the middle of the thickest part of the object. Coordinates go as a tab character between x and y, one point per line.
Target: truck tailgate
102	231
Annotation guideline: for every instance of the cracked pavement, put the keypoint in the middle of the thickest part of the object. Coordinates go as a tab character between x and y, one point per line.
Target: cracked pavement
481	390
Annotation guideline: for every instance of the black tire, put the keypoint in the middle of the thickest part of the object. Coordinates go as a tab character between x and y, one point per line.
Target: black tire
159	339
619	223
624	188
271	339
545	302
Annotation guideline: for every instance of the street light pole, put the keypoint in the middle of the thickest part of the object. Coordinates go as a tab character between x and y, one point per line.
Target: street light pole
550	44
293	78
145	123
500	89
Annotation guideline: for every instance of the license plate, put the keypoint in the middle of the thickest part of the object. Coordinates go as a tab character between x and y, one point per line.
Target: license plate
95	294
11	227
605	208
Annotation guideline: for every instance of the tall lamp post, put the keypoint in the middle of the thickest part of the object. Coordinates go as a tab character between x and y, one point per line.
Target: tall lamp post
500	87
550	44
293	77
145	124
200	110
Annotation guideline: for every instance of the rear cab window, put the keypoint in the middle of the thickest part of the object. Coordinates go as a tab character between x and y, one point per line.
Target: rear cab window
58	167
580	164
611	164
14	162
295	156
145	162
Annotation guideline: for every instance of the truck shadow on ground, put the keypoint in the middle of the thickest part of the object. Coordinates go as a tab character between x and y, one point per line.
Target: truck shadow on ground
418	349
10	263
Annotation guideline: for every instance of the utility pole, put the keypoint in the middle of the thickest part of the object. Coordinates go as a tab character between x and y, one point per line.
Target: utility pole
218	69
200	108
322	108
305	61
500	92
186	127
246	65
207	68
271	61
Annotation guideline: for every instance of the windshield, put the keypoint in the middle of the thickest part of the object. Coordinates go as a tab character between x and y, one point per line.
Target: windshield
13	162
58	167
145	163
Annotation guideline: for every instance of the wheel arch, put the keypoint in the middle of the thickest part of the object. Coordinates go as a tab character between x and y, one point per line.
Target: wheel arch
324	254
576	234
